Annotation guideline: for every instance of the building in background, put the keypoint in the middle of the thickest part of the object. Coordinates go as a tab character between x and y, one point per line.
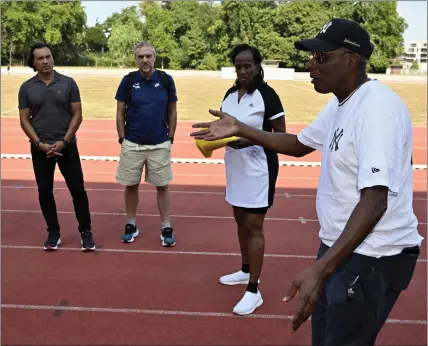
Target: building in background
415	56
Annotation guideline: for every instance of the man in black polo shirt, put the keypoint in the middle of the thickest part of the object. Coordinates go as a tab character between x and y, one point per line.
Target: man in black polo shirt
50	112
146	121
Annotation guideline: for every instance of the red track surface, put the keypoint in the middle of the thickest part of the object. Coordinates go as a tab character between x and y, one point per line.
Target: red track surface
141	293
99	138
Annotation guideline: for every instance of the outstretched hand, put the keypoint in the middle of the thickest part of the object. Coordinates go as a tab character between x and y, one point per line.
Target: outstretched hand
226	126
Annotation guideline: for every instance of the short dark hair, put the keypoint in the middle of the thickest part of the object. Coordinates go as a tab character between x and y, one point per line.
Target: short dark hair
259	78
33	48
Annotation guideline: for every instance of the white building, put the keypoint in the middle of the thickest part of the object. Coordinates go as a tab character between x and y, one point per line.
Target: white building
415	51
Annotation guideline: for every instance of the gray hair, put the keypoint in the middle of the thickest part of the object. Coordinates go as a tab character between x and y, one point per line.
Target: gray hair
144	44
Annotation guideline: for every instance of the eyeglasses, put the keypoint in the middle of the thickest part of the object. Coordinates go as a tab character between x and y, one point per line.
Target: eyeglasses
319	57
323	57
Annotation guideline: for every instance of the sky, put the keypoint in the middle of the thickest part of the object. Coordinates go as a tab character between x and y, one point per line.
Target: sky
414	12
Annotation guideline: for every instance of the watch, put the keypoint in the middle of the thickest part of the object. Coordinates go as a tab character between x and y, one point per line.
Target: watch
65	142
37	143
120	140
171	138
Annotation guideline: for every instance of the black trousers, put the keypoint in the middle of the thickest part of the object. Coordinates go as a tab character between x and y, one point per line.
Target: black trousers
359	296
71	170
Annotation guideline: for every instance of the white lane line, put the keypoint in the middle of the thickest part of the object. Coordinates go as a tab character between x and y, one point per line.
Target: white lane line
159	252
176	174
192	160
172	312
140	311
173	216
113	140
111	173
302	219
142	190
168	252
157	215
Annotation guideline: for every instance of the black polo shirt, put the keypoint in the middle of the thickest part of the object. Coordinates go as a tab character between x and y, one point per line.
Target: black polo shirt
49	105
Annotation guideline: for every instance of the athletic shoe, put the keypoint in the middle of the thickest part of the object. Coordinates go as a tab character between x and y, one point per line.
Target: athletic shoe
53	241
238	278
131	232
87	241
249	302
167	237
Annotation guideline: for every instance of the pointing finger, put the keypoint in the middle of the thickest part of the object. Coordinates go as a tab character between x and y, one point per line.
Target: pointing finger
291	291
217	113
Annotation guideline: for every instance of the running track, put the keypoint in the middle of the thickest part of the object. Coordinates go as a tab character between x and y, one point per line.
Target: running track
141	293
99	138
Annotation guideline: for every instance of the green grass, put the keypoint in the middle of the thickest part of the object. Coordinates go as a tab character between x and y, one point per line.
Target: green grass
196	96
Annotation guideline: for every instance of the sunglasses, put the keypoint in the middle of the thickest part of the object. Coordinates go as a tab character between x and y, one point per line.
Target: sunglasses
324	57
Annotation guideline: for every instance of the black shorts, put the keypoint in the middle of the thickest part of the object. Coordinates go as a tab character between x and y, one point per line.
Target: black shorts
261	211
357	299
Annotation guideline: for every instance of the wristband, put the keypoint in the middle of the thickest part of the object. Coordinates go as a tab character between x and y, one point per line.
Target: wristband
121	140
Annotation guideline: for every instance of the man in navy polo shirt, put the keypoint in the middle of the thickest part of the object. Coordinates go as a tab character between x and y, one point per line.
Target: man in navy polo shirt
146	122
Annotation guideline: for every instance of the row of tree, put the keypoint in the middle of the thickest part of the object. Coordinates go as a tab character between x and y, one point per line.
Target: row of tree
192	34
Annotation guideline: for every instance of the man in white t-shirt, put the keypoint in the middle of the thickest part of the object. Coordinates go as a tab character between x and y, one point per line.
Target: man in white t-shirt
369	238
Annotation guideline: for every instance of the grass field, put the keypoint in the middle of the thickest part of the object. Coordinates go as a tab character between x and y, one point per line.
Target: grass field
196	96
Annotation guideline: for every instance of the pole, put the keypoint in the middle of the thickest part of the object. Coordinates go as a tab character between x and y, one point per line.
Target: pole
9	36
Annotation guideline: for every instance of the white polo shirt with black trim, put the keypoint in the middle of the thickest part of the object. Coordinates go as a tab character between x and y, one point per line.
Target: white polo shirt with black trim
365	141
252	172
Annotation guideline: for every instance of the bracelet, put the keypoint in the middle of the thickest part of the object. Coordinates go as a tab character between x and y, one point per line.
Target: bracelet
65	142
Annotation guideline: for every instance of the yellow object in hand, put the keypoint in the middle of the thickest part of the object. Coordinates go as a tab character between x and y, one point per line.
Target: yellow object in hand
207	147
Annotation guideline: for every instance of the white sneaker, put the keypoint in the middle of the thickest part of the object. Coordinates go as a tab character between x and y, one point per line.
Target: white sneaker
238	278
249	302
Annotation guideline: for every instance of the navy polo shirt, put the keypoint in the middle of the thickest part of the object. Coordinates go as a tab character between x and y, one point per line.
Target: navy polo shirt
146	118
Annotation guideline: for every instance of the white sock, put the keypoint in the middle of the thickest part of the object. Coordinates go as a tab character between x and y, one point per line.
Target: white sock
132	222
166	224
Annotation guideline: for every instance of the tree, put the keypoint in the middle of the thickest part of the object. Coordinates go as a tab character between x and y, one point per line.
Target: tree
415	65
158	27
195	34
61	24
122	42
95	38
384	24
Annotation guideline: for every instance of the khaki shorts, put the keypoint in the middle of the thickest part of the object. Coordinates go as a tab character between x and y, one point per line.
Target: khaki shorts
155	158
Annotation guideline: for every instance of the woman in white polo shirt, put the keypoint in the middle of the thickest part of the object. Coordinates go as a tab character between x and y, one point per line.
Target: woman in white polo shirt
251	170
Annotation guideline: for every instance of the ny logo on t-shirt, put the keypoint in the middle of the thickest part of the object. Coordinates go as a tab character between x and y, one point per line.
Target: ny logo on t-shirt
334	145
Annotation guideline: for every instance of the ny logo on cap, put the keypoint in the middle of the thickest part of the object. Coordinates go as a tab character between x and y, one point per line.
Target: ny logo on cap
325	27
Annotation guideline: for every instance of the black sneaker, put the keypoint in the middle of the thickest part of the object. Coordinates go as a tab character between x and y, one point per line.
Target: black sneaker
52	242
131	232
87	241
167	237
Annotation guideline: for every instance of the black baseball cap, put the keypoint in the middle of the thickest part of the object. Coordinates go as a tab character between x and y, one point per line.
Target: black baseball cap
338	33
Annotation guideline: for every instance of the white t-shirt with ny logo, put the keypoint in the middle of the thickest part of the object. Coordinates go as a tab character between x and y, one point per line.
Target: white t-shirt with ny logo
365	141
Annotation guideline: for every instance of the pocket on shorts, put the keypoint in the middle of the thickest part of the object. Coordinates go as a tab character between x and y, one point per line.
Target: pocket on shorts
405	268
158	168
131	163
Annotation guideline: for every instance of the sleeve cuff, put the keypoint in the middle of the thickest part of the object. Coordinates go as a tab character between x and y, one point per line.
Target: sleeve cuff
369	178
277	116
305	141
